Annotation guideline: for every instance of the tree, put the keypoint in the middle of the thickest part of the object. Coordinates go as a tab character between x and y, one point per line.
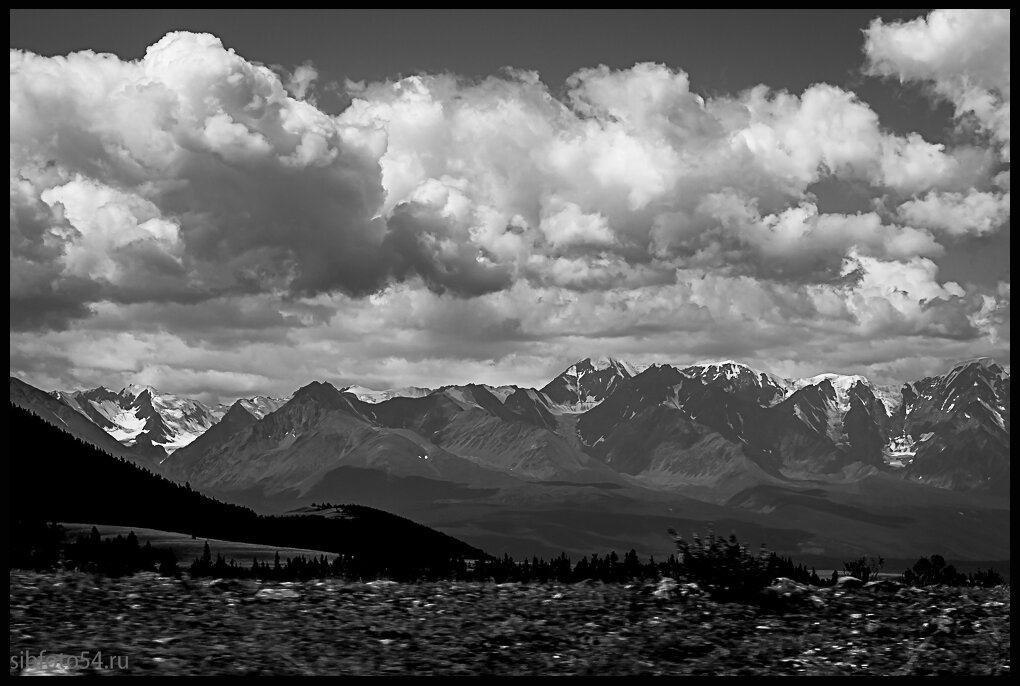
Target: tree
933	571
864	568
168	563
724	568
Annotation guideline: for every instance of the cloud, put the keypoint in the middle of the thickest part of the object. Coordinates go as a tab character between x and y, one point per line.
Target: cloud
975	213
109	231
963	54
565	224
299	82
799	243
884	312
195	209
196	166
191	166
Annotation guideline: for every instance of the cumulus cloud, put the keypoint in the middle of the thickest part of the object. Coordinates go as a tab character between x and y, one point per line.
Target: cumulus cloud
958	214
963	54
198	161
198	208
192	165
299	82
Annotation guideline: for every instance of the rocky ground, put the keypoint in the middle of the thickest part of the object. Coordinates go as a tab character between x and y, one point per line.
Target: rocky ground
150	625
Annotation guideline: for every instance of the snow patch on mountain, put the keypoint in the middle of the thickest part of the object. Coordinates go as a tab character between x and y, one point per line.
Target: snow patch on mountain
727	369
603	362
735	377
134	390
501	392
890	396
261	405
139	411
586	383
900	451
128	423
369	395
184	419
841	384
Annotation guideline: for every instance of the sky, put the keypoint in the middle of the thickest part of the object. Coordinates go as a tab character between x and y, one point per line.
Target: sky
222	204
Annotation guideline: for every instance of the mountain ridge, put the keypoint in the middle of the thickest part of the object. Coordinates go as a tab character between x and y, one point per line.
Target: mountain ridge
812	427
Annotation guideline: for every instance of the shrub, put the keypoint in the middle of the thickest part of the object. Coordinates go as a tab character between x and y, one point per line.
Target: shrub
986	578
864	568
723	567
933	571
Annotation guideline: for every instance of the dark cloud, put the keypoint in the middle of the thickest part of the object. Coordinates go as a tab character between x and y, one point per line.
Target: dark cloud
422	246
54	309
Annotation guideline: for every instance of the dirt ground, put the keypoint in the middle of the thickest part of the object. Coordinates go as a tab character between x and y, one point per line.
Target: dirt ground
151	625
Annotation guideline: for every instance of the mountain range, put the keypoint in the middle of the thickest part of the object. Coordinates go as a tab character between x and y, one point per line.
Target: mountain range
602	437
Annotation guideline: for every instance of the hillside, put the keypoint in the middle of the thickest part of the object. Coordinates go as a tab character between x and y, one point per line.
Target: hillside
76	482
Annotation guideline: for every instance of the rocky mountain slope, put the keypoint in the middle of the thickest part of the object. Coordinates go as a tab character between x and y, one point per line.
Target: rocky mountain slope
721	426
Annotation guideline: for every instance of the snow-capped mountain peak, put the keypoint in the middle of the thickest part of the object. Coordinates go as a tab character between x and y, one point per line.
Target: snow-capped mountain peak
140	415
756	386
587	382
603	362
957	426
370	395
135	390
261	405
841	385
501	392
984	367
729	368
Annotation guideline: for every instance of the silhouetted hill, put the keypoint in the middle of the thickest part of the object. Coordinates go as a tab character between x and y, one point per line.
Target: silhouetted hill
57	477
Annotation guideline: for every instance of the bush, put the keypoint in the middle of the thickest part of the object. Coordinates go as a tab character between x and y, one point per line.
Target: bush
864	568
723	567
986	578
933	571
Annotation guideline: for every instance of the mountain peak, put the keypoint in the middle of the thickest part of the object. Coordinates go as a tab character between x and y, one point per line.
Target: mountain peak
602	362
980	367
236	411
588	382
261	405
739	379
319	391
837	381
135	390
985	363
373	396
729	367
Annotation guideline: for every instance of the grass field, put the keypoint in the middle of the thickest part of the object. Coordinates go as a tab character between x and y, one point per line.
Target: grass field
188	549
